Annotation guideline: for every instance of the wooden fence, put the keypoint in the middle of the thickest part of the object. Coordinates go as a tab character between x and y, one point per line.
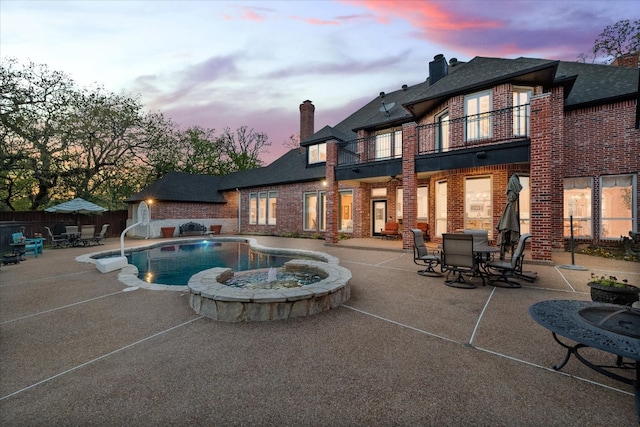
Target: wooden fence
34	222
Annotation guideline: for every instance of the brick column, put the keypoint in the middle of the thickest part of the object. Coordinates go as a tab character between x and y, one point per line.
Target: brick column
547	118
409	183
331	232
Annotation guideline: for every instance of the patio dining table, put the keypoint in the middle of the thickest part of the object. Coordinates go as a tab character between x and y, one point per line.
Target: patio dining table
73	237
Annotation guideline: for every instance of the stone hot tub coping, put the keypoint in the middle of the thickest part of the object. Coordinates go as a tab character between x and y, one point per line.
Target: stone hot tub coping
210	297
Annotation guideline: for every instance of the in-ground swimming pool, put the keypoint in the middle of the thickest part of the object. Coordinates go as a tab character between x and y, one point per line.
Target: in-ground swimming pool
175	263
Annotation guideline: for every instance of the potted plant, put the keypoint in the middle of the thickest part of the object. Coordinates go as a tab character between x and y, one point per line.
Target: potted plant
610	289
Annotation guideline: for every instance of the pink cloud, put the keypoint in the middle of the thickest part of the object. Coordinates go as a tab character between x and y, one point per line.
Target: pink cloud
314	21
559	30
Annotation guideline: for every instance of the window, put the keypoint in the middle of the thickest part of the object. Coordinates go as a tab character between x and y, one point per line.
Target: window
378	192
345	220
477	109
272	202
317	153
441	208
577	204
442	132
521	99
423	203
253	208
388	145
616	204
310	211
478	202
262	208
314	211
524	205
322	211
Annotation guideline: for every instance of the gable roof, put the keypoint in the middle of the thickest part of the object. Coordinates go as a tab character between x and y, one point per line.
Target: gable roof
585	85
182	187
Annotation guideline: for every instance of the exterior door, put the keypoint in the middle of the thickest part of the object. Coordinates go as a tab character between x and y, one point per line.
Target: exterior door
379	215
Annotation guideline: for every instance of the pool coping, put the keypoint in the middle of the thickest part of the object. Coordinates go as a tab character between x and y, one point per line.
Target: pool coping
128	275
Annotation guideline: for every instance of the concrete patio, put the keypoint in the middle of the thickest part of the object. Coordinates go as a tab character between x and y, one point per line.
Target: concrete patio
76	349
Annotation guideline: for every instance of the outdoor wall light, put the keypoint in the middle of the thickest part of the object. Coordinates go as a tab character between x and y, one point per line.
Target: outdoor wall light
355	170
481	155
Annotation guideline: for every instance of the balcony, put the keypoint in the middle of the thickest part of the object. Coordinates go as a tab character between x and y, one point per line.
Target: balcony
493	128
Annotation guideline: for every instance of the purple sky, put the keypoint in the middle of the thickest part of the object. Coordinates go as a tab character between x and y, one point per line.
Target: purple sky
222	64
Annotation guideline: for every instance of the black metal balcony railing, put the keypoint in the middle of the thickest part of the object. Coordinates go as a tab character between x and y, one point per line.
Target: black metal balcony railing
369	149
496	127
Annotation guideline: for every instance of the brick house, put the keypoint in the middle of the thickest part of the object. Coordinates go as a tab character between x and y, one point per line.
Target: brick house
442	152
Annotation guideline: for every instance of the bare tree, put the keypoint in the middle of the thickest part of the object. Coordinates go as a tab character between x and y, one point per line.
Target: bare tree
615	40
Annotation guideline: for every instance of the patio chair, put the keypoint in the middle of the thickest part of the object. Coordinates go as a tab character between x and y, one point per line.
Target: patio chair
30	245
421	255
505	270
390	230
58	241
87	234
424	227
458	259
480	240
101	236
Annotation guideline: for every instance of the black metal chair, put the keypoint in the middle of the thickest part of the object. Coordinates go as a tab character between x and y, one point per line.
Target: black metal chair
57	241
422	257
458	259
505	270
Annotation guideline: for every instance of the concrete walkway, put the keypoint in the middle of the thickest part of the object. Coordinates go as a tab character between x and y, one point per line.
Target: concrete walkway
405	350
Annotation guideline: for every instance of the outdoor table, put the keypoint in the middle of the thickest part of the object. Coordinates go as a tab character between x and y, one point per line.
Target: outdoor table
19	250
72	237
483	254
562	318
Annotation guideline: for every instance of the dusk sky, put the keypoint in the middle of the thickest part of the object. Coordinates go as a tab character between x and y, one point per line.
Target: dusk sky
222	64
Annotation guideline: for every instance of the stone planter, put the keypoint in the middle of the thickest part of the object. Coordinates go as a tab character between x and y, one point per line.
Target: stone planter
215	229
167	231
624	296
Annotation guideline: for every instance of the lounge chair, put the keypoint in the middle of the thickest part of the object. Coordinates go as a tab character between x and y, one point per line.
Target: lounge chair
505	270
87	234
390	230
98	238
424	227
33	246
58	241
458	259
421	255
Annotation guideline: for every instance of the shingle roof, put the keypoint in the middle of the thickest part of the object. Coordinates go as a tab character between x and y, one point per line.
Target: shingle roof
291	167
592	84
182	187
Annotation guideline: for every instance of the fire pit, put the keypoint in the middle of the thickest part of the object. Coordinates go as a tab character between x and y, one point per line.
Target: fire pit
625	321
608	327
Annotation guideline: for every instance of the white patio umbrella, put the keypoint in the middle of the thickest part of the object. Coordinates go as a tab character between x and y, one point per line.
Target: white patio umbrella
77	206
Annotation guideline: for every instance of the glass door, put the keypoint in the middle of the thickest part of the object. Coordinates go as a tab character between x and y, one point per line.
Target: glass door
379	216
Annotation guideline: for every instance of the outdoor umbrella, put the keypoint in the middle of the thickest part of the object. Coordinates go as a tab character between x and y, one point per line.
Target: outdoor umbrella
77	206
509	224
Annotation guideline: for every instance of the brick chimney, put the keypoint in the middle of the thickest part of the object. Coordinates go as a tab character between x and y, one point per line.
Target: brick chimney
438	68
627	60
307	110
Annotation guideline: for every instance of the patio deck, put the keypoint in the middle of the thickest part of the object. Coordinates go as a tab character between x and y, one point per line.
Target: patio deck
76	349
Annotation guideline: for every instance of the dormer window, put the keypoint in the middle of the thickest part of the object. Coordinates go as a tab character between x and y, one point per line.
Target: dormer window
317	153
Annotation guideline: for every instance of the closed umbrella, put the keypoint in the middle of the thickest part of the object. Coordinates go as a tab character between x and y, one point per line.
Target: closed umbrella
509	224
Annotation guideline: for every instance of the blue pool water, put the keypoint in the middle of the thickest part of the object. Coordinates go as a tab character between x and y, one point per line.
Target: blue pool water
174	264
